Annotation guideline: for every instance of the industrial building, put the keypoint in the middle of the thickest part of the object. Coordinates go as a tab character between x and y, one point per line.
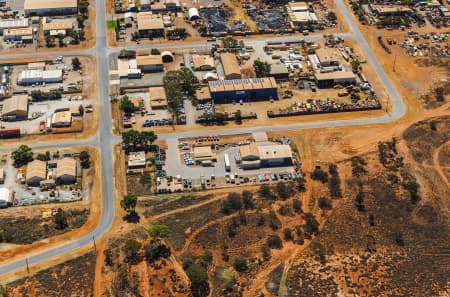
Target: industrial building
328	57
13	24
128	69
204	154
36	172
329	79
299	14
15	108
66	171
158	97
18	34
255	156
231	69
61	119
251	89
136	160
55	28
202	62
390	10
50	7
150	63
150	25
29	77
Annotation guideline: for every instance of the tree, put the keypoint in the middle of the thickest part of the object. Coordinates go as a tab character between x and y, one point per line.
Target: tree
129	202
3	292
274	242
108	257
359	201
247	199
198	277
266	192
240	264
440	94
155	51
132	251
81	110
85	160
238	117
284	190
297	205
134	140
232	203
262	69
60	220
355	66
312	225
288	235
319	174
230	44
42	157
126	105
76	64
155	251
83	6
324	203
158	231
22	155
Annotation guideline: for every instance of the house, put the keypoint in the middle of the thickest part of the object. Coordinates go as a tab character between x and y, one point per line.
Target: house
66	171
36	172
137	160
15	108
158	97
230	65
202	62
150	25
62	119
150	63
329	79
50	7
251	89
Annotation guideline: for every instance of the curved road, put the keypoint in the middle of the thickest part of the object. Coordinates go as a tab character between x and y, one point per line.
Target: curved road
104	139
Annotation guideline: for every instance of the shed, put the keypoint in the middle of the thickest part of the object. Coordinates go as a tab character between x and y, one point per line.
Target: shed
66	171
167	57
36	172
15	108
150	63
203	153
193	14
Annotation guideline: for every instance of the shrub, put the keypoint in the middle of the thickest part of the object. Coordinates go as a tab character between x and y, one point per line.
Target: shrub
324	203
319	174
232	204
240	264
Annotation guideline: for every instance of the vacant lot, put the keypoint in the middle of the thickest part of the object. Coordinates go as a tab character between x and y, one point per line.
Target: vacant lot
26	230
73	278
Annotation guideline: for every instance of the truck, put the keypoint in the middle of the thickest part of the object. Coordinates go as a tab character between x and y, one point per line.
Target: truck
10	133
227	162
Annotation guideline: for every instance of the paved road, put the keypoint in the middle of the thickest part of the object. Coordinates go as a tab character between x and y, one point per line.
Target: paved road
104	140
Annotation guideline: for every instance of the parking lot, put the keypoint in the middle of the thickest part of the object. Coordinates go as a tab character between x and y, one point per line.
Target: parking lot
183	173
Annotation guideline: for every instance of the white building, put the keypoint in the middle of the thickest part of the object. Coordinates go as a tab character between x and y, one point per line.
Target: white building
34	76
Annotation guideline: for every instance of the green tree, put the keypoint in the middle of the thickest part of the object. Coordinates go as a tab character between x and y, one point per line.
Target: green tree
85	160
285	190
262	69
129	202
355	65
266	192
22	155
274	242
230	44
324	203
83	6
198	277
134	140
247	199
158	231
76	64
319	174
232	204
81	110
60	220
126	105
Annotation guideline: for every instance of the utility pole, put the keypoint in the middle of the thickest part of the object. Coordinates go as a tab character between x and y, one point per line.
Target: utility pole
28	267
395	60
